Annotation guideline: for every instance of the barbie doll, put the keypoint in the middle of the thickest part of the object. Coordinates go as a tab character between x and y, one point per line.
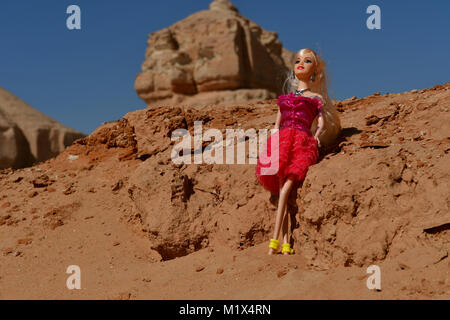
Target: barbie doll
300	114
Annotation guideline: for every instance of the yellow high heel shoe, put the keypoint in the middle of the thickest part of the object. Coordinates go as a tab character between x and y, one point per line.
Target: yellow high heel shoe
286	248
274	245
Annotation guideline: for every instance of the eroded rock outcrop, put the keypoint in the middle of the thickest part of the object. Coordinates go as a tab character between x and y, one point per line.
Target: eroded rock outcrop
212	56
14	150
27	135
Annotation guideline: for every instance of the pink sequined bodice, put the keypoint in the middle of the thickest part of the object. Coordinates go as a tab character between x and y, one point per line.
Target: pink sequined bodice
298	111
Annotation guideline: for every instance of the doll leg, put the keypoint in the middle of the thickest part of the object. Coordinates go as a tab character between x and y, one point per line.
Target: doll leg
280	183
282	201
284	226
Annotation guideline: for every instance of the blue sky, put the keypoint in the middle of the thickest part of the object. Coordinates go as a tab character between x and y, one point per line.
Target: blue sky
84	77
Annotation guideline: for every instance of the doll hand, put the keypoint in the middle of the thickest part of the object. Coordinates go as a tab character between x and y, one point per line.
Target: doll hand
318	141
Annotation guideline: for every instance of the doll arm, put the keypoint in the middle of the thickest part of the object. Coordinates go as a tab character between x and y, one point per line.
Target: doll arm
319	125
277	122
320	121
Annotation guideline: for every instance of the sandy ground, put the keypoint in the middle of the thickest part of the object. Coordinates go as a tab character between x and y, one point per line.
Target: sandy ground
135	235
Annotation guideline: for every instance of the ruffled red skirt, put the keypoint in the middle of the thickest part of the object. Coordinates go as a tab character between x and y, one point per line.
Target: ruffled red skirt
294	153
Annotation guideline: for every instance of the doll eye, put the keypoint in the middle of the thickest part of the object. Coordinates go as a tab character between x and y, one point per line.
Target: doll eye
307	60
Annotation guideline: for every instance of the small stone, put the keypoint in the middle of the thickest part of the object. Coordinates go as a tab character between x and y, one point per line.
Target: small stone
116	243
281	273
72	157
241	203
199	268
18	179
117	186
42	181
6	205
7	251
56	224
219	271
124	296
33	194
403	266
25	241
69	190
372	119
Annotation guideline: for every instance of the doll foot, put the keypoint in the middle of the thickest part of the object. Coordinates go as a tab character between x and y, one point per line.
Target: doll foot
286	249
273	246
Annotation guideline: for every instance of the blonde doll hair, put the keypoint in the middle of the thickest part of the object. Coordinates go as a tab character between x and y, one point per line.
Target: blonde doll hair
332	123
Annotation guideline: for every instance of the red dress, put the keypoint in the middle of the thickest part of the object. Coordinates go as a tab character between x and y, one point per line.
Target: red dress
296	149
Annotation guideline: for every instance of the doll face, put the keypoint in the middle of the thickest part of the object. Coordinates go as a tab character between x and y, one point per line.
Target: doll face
304	65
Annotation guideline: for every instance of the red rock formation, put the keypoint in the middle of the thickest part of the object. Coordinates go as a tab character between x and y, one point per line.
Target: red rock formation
212	56
27	135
